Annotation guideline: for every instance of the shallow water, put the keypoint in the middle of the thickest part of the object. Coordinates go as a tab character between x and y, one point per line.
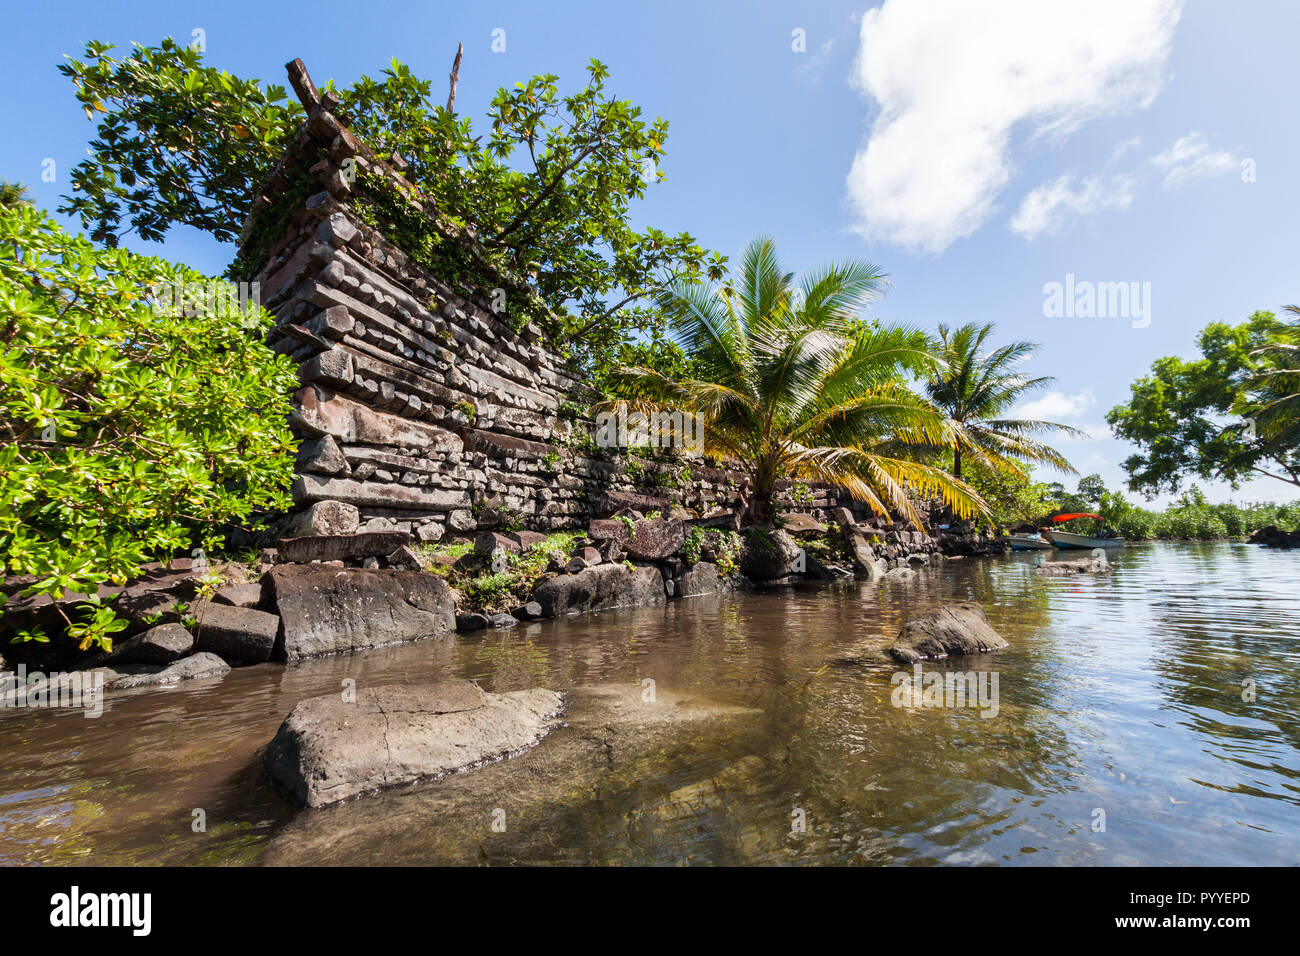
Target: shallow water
1120	704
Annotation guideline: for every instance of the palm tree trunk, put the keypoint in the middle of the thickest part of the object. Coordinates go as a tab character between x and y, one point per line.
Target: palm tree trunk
760	505
956	462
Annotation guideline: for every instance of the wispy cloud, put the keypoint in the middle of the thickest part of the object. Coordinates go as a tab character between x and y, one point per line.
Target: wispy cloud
814	65
952	78
1190	157
1047	208
1127	146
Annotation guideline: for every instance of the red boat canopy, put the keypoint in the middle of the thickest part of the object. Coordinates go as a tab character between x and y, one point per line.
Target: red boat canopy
1059	518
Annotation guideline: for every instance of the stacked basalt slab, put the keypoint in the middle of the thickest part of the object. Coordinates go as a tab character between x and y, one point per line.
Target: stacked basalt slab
419	405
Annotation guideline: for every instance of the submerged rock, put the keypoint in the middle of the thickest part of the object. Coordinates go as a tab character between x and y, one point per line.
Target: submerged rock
614	744
328	610
955	629
329	749
1095	565
201	666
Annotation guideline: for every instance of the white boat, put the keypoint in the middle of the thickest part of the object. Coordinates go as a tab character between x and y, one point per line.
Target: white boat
1028	542
1071	539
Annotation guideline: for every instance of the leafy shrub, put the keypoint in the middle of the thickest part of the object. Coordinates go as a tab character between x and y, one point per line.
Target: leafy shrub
128	432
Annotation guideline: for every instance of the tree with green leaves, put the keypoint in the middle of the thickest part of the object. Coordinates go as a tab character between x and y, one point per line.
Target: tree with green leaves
1188	417
548	186
791	383
1271	399
977	386
1013	499
129	431
13	194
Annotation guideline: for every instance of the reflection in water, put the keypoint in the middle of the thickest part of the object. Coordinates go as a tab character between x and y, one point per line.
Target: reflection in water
1121	698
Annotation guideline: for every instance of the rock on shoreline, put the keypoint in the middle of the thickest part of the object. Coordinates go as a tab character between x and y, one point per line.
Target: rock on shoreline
329	610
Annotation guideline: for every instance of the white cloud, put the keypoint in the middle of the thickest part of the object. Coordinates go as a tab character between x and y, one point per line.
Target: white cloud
1057	406
952	78
1190	157
1049	206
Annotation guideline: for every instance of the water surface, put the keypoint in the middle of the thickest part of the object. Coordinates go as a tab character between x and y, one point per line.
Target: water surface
1121	703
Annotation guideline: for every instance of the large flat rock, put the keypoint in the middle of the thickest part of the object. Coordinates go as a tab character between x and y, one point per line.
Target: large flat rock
329	749
330	610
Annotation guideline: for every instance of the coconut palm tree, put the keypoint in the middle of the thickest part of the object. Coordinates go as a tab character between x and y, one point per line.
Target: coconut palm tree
791	383
977	389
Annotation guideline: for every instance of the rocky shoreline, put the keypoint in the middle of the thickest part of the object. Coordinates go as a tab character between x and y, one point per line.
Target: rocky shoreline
354	588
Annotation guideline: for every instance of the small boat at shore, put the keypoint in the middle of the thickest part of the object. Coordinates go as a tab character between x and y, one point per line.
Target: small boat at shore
1073	539
1028	542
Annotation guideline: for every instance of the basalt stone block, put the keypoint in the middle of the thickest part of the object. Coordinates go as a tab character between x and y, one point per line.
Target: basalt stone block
613	501
601	588
527	539
237	634
430	531
726	520
340	547
331	610
406	559
799	523
703	578
158	645
864	554
328	749
323	456
322	412
240	595
490	542
768	554
530	611
420	499
650	539
462	520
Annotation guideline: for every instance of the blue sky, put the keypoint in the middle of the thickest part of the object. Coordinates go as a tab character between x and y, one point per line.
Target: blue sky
976	150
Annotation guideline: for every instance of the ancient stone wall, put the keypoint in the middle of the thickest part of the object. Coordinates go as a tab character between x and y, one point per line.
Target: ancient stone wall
420	405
